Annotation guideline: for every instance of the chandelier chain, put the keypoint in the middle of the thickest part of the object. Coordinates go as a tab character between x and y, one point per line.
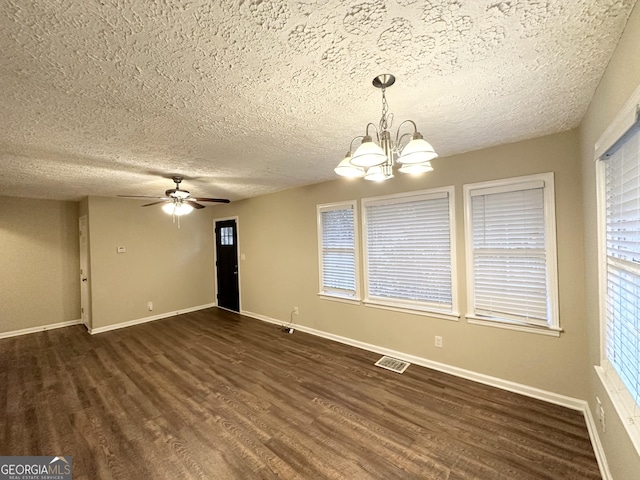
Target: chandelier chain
385	110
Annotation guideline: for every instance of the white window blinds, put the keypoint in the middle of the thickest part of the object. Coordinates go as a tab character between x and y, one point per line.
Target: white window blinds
622	205
408	259
338	250
509	252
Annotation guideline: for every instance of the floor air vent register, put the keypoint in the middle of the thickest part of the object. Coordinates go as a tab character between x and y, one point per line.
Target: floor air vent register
392	364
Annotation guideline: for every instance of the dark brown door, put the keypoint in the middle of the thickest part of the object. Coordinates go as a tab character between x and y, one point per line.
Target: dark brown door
227	265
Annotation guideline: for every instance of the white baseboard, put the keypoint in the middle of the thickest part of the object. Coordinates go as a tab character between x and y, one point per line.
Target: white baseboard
551	397
598	449
138	321
26	331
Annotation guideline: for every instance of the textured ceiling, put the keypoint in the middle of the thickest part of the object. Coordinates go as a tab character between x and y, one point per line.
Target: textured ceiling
107	97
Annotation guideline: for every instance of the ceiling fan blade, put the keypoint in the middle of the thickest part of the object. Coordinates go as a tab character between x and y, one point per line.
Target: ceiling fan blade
194	204
219	200
154	203
139	196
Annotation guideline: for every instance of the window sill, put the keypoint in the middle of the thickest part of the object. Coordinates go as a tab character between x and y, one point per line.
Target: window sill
336	298
549	331
623	405
452	316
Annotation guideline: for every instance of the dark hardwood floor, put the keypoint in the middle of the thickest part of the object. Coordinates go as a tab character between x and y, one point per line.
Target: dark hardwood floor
213	395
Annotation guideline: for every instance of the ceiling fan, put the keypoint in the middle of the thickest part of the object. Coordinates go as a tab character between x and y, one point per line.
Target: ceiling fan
176	201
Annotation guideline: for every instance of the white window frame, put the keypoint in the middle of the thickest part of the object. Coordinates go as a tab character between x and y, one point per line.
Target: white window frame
334	294
622	400
552	326
403	305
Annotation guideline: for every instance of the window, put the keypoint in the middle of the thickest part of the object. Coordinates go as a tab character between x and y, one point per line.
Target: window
618	175
511	253
409	252
622	250
226	236
338	250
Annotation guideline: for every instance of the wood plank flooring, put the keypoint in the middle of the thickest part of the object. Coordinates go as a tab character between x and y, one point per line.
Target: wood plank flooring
214	395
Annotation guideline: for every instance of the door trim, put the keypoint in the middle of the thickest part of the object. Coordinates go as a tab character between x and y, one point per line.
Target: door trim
215	259
85	272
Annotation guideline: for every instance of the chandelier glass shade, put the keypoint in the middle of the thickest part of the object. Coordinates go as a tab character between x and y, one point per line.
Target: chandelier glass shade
417	151
416	168
368	154
346	169
379	173
377	155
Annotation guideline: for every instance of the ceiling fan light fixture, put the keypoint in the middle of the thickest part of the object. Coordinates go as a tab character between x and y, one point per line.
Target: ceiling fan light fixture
178	202
177	208
182	194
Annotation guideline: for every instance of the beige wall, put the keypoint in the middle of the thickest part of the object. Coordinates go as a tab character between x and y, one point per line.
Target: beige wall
279	239
171	267
39	262
621	79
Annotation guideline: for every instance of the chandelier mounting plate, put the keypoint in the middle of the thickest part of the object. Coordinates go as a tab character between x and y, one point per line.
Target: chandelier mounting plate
383	81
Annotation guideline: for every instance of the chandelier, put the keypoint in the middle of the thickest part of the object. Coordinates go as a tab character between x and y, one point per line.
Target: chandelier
375	160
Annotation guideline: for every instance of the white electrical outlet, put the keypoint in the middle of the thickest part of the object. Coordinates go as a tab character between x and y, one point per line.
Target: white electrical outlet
438	341
150	306
295	310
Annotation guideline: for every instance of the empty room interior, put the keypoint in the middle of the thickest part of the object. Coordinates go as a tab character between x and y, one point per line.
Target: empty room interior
217	217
